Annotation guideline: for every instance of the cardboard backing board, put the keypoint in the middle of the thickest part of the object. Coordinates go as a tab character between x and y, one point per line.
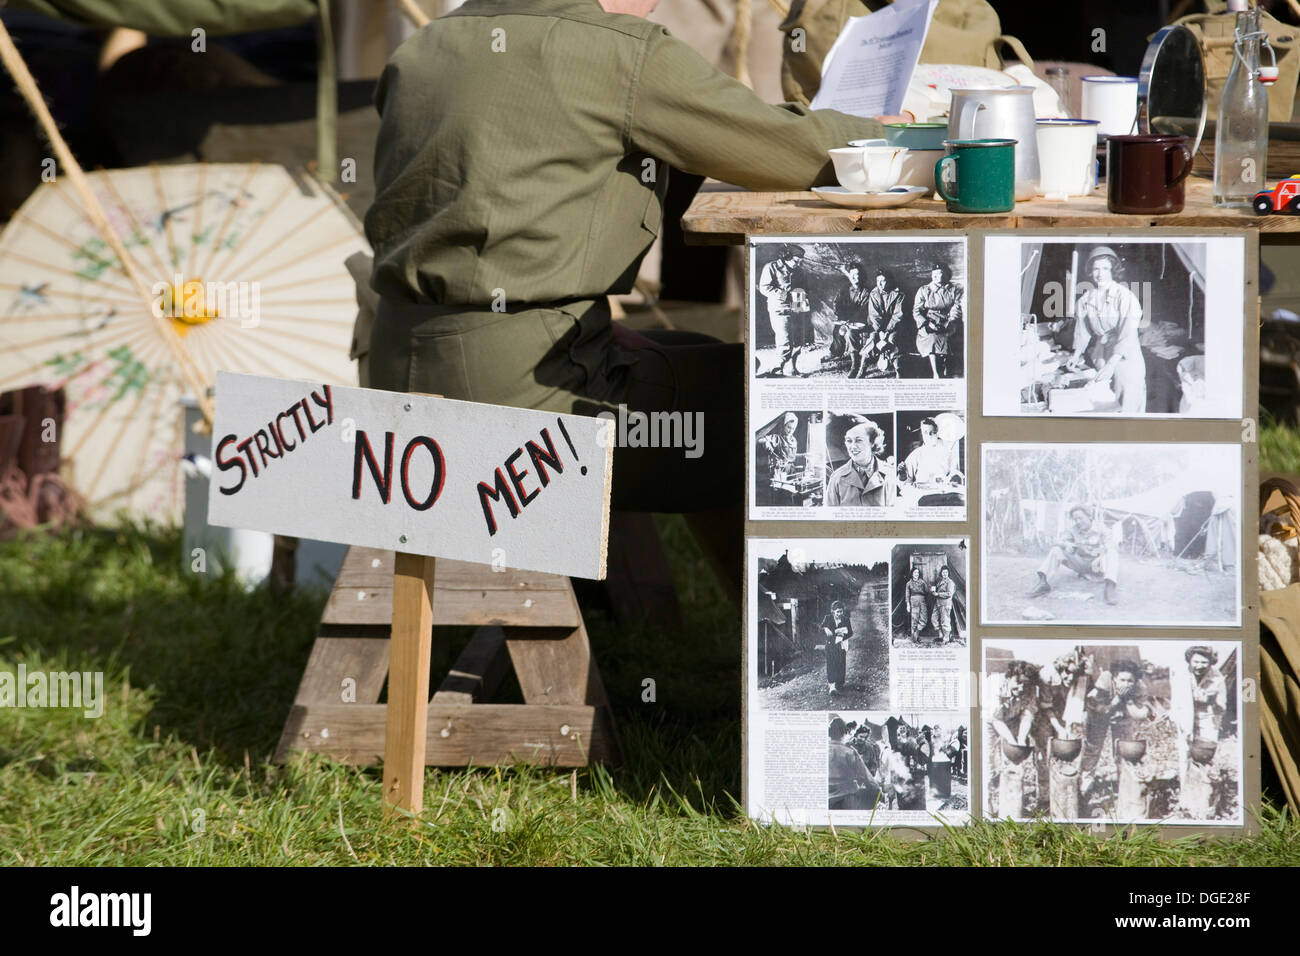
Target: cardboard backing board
1062	428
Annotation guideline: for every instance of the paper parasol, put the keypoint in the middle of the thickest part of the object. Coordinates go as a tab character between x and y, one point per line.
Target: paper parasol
246	264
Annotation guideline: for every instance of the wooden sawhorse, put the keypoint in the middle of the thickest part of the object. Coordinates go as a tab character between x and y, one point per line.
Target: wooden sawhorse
525	618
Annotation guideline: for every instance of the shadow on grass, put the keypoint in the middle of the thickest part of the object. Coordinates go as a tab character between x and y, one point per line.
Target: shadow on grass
221	663
687	737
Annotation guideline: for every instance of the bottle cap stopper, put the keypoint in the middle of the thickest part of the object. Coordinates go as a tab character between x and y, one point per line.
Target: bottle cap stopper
1268	75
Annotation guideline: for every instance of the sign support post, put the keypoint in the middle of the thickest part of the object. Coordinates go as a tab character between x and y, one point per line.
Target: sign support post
408	683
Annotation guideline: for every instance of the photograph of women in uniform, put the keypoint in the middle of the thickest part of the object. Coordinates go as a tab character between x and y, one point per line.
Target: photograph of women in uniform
1120	326
1122	731
929	594
938	315
790	461
819	623
858	308
1106	534
860	457
932	459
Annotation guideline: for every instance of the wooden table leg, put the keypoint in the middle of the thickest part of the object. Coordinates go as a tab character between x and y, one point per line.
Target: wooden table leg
408	683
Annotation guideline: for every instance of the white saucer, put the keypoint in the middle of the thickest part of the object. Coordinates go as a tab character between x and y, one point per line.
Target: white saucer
888	199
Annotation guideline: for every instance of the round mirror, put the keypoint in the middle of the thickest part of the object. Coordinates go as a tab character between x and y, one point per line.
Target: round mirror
1171	86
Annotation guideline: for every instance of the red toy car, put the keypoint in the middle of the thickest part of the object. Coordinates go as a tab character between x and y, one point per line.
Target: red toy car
1282	198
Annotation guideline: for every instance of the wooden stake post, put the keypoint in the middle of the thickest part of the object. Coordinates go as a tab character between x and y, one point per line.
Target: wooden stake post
408	682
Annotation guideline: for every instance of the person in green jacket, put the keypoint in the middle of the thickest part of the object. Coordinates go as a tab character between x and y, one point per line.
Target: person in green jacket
520	170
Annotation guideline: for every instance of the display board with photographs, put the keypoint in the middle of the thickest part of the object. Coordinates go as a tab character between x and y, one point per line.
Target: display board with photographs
857	396
1078	642
857	680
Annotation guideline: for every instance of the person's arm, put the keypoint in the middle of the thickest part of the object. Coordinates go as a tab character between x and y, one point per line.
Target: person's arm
693	116
1081	334
956	315
1026	721
1127	343
1219	692
909	469
770	285
861	778
954	462
1003	731
832	492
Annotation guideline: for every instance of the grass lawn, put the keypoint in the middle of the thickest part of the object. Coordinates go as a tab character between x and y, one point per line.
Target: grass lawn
199	676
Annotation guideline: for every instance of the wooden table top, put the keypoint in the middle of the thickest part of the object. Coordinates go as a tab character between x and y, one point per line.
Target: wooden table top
725	217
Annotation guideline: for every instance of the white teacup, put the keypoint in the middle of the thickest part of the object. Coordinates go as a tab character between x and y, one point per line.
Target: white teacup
1112	102
1067	157
918	168
868	169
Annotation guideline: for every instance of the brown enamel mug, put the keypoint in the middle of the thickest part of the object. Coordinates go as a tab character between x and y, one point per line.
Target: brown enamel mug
1145	174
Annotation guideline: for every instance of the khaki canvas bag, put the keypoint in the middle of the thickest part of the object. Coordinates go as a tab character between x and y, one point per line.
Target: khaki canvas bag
1279	654
1215	31
965	32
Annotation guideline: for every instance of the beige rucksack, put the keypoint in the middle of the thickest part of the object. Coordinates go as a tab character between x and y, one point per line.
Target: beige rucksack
1215	31
965	32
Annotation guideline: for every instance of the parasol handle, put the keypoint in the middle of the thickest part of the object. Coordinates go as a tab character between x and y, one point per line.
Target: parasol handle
26	84
413	13
740	36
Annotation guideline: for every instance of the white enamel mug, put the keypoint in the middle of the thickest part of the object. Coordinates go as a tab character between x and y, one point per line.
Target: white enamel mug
1067	157
1112	101
868	169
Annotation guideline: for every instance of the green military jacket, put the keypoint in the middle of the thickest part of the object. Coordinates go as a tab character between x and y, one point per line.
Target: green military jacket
523	150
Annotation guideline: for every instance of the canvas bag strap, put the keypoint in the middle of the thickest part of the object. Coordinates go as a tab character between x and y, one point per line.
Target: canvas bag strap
1017	48
1290	495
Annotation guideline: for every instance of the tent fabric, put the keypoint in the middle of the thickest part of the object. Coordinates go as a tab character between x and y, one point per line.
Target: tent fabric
1166	499
176	17
1192	256
1221	539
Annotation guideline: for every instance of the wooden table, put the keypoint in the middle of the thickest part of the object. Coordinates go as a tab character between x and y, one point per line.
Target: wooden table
724	217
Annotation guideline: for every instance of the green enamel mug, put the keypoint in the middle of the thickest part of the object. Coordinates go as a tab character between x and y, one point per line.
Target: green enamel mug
977	175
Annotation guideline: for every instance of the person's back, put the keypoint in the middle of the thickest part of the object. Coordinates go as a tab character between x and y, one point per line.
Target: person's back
523	149
502	140
522	158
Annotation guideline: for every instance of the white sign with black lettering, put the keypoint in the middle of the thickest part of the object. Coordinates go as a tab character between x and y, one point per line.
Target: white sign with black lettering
482	483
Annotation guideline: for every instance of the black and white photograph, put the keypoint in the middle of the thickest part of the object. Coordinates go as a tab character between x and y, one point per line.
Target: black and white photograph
1111	534
1119	326
931	459
861	468
858	308
1122	731
820	623
929	595
790	461
899	763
